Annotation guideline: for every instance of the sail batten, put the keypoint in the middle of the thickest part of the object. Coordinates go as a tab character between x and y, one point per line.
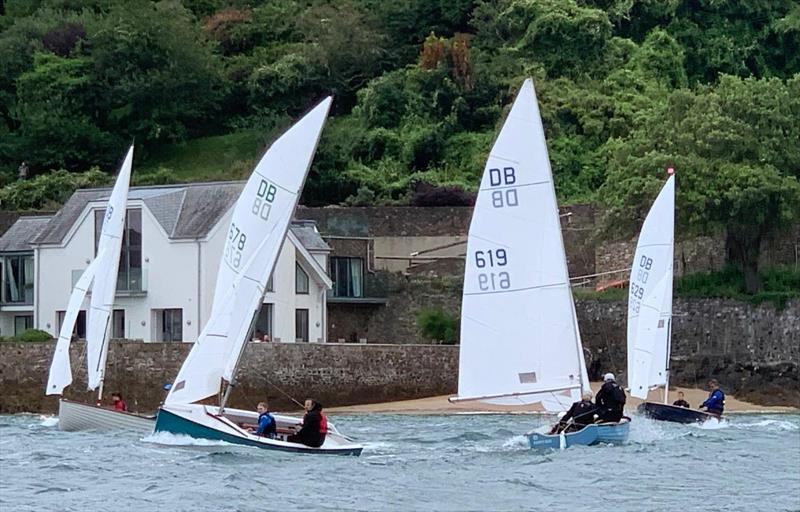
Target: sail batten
517	318
650	296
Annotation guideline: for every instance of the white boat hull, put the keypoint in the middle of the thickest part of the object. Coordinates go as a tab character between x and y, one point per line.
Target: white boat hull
203	422
76	416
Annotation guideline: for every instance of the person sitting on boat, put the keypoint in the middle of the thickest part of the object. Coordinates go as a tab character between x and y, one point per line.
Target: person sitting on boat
680	402
610	400
267	426
579	415
716	399
118	403
314	427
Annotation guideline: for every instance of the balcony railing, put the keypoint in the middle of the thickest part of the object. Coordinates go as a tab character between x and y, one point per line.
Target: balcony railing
133	282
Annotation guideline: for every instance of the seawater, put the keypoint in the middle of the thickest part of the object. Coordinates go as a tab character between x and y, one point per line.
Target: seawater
411	462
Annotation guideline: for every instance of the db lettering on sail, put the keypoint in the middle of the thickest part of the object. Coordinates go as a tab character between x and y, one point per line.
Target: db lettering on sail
265	195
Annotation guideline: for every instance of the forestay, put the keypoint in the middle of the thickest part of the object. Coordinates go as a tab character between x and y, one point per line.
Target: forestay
650	299
60	375
519	336
105	282
255	236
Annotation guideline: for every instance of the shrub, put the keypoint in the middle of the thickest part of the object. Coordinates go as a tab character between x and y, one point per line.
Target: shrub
438	326
34	335
431	195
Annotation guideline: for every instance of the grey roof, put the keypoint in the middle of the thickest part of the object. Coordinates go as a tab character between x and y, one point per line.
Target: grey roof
306	232
20	234
184	211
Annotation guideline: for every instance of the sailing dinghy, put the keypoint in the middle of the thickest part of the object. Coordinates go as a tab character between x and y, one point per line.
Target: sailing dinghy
101	277
257	231
520	342
650	311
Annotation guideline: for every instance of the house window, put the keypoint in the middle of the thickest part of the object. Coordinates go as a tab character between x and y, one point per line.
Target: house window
18	279
300	279
79	329
169	324
22	323
348	276
129	277
301	325
263	327
118	324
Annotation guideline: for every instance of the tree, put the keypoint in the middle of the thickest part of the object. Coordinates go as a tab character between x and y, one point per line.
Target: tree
735	149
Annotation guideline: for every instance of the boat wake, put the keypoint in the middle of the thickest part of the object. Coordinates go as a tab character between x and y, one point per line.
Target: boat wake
770	425
169	439
712	424
48	421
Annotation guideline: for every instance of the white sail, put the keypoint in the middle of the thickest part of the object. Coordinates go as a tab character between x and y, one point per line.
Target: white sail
60	375
257	231
650	298
105	282
519	338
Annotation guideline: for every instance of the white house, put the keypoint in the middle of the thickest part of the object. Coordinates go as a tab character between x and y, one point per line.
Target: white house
16	268
171	249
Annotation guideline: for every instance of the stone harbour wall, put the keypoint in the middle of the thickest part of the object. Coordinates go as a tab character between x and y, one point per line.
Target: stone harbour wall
753	350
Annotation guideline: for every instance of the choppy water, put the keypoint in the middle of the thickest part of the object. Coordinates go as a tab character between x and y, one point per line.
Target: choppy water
465	462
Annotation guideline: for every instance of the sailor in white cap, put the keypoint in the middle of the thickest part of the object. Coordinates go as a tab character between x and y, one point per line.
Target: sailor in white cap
610	400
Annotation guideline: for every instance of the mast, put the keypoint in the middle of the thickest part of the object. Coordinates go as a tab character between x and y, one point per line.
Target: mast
669	349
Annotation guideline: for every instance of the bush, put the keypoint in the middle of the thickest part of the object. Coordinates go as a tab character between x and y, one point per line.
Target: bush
431	195
31	336
438	326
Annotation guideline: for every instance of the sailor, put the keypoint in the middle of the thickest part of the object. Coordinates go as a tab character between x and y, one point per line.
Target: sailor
314	427
267	427
579	415
716	399
610	400
118	403
680	402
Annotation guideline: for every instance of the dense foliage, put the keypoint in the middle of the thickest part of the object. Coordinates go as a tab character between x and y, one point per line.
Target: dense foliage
626	88
438	326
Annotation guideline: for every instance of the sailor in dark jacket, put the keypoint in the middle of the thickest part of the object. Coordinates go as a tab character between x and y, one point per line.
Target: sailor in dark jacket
579	415
716	399
610	400
681	402
314	428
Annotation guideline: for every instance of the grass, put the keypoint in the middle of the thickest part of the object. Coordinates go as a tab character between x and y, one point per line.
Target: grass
218	158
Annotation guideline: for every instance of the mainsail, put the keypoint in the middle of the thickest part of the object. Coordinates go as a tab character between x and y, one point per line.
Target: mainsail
60	375
519	336
650	298
105	282
258	228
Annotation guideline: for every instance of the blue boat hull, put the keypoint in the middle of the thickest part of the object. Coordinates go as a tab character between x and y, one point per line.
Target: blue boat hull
603	433
673	413
167	421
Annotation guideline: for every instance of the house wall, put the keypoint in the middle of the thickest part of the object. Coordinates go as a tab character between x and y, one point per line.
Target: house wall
181	274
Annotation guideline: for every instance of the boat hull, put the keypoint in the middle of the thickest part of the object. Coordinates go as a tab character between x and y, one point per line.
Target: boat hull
602	433
77	416
203	422
673	413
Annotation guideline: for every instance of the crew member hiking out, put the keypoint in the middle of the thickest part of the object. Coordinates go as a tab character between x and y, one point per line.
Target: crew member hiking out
315	426
610	400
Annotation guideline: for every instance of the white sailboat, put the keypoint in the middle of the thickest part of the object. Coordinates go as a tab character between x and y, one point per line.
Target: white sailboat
650	310
258	228
520	342
101	277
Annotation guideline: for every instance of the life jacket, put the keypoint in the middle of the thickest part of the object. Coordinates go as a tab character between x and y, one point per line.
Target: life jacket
323	424
120	405
272	428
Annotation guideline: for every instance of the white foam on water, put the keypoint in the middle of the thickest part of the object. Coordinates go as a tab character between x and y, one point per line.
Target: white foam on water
516	442
48	421
712	424
169	439
771	425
